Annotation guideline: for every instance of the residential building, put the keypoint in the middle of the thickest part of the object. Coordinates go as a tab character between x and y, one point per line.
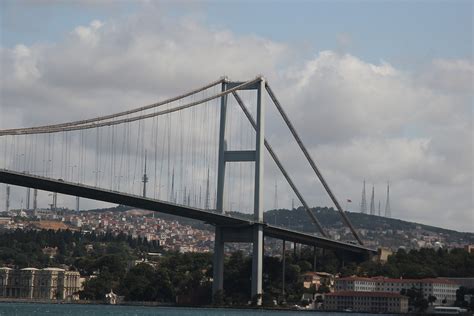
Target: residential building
316	279
383	254
469	248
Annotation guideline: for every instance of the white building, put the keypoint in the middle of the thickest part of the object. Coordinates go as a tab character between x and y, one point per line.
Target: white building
363	301
32	283
443	289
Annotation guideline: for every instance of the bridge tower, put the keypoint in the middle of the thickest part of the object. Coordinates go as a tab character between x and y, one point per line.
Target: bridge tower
227	227
253	234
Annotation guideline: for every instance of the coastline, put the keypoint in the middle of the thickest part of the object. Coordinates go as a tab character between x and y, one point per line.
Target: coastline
174	306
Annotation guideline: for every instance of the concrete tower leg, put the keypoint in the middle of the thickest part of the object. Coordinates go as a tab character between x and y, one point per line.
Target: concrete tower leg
222	149
218	263
257	257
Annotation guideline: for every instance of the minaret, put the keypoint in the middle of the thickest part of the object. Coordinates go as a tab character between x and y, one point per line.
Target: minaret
145	178
372	202
54	206
77	204
28	194
387	204
363	202
35	199
379	209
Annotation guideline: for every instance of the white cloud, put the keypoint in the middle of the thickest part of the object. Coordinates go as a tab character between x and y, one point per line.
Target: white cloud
360	120
89	34
25	64
450	76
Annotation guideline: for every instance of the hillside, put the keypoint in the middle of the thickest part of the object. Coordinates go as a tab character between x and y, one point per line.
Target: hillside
375	230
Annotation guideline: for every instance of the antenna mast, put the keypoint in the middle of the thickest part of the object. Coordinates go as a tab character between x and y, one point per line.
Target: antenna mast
388	212
145	178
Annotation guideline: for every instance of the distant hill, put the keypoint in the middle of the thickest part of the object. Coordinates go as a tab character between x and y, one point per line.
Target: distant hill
377	230
328	217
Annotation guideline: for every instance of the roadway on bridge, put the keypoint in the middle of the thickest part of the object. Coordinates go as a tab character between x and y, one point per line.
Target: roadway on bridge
212	217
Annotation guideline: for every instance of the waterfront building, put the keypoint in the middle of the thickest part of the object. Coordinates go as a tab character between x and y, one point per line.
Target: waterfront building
443	289
466	282
32	283
358	284
362	301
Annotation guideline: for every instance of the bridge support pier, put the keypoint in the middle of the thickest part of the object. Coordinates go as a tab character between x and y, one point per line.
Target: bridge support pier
218	266
257	264
248	234
283	263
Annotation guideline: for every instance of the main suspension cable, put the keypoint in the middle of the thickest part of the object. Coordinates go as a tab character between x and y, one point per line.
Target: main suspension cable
27	131
15	131
312	163
280	166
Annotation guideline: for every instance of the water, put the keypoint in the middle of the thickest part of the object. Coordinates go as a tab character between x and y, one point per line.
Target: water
26	309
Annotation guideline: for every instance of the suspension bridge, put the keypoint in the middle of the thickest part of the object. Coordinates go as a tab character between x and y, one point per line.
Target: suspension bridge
197	155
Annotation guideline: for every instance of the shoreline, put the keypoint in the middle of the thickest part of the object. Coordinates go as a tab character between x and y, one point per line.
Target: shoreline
171	305
147	304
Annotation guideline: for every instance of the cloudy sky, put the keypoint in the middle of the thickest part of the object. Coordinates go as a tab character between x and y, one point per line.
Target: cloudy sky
381	91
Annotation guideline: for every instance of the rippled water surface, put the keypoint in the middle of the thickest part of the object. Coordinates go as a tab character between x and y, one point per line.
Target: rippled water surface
25	309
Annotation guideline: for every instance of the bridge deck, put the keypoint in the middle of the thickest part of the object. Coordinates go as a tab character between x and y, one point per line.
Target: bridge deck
89	192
